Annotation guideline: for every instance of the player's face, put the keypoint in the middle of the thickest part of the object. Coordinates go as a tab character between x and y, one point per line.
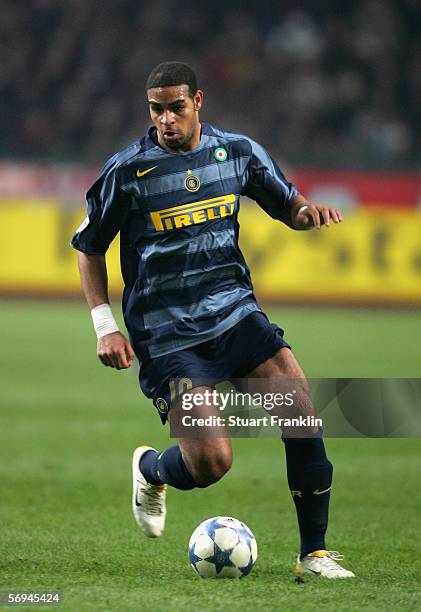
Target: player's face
176	116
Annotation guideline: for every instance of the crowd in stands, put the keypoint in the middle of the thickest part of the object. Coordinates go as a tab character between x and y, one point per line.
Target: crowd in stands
323	83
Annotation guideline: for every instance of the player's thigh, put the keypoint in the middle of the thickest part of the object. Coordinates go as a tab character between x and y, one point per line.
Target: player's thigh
207	448
282	365
283	374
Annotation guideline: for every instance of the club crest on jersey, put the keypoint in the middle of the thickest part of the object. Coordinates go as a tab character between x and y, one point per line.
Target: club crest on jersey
193	213
191	182
220	154
162	405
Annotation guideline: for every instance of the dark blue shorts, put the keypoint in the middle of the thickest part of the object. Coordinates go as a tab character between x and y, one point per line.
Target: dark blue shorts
233	354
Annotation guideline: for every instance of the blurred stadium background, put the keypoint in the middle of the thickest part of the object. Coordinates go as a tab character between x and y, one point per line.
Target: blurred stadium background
333	90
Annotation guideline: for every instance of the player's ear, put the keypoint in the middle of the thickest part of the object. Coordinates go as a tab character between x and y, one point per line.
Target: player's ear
198	100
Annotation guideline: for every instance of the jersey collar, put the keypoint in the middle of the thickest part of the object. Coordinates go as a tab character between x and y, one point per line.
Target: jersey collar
206	130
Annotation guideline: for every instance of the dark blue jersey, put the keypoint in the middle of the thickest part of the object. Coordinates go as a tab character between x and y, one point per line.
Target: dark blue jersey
185	277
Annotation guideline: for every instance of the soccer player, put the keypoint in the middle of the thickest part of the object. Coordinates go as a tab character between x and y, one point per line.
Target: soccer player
188	300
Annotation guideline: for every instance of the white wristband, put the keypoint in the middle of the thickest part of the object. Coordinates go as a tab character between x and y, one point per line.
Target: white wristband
104	321
302	209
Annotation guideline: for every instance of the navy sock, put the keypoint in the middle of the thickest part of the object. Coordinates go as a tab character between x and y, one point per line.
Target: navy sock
310	478
167	468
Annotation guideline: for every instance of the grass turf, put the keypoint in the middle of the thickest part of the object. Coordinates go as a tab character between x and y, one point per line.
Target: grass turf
68	426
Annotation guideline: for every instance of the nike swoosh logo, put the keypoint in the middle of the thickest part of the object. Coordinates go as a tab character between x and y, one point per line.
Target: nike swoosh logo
135	498
317	492
140	173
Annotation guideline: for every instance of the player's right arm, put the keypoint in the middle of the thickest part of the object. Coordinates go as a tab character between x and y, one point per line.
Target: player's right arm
113	349
107	207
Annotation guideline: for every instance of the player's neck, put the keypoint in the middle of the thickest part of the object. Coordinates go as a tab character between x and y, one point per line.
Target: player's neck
195	141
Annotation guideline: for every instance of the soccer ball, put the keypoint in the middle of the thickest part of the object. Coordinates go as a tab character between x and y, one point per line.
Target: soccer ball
222	547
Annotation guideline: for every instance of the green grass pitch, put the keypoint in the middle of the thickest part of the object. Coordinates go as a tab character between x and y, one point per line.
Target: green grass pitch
69	425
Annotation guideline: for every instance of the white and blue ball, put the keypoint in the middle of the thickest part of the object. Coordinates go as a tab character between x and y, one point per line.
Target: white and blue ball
222	547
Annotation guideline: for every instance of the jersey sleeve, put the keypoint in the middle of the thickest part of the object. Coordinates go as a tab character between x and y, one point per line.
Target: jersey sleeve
266	184
107	207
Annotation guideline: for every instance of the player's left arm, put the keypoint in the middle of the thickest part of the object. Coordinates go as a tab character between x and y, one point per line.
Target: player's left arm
267	185
306	215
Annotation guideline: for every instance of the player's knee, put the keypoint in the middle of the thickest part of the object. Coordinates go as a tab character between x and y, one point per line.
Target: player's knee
302	387
209	467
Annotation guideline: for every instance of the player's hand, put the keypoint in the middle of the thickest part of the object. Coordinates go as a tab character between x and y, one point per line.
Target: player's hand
315	215
115	351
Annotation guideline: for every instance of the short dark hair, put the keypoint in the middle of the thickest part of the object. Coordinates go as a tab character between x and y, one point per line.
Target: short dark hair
169	74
